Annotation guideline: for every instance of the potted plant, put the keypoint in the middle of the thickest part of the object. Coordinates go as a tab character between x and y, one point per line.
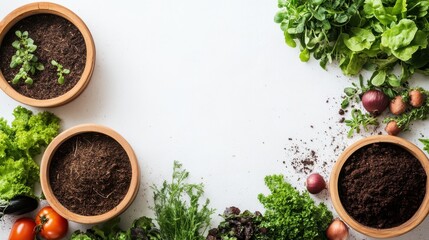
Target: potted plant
47	55
379	186
89	174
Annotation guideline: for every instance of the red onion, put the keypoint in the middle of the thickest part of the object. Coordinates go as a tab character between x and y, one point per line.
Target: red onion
337	230
375	101
315	183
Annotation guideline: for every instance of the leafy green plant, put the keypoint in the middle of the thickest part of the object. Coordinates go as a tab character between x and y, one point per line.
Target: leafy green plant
61	71
290	214
142	229
19	144
377	35
24	58
359	120
239	225
177	208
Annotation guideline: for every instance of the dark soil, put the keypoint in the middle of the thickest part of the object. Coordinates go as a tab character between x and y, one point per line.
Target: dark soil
382	185
90	174
56	38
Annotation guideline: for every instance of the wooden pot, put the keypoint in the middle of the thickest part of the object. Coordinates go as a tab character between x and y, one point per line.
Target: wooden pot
50	8
50	195
407	226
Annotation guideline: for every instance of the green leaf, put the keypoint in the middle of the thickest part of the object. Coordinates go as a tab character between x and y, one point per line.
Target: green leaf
278	18
400	35
341	18
400	7
289	40
304	55
53	62
353	64
61	79
18	33
320	14
349	91
66	71
32	48
16	44
345	103
378	78
29	80
393	80
40	67
360	39
375	8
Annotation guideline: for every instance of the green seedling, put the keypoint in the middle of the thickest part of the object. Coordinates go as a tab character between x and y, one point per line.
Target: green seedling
25	58
61	71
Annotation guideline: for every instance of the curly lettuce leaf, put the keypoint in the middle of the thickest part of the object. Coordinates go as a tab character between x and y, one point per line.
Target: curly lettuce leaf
19	144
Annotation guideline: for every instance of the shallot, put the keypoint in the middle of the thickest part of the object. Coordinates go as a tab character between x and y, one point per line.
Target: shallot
397	105
416	98
337	230
392	128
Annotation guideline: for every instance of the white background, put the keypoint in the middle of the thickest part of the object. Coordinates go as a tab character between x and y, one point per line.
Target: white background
212	85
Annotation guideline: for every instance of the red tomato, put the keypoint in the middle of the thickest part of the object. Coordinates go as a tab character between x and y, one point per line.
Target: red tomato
23	229
53	226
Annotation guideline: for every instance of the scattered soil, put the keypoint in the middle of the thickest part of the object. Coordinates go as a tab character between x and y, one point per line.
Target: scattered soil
56	38
382	185
90	174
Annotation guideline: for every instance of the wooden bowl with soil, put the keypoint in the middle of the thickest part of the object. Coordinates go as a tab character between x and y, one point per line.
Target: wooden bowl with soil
89	174
379	186
59	35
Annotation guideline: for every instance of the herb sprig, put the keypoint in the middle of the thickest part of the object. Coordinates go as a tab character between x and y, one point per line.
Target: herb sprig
61	71
177	208
25	58
359	120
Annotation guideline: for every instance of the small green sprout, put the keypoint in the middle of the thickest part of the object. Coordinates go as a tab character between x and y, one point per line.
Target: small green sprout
25	58
61	71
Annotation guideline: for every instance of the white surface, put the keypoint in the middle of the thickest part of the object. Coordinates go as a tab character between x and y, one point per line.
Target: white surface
211	84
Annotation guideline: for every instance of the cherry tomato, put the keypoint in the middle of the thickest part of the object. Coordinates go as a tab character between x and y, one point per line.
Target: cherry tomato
23	229
52	226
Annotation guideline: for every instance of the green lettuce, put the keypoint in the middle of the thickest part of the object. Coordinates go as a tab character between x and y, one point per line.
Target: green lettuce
19	144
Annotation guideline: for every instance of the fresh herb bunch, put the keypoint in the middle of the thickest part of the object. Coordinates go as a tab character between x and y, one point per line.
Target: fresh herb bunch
292	215
316	25
239	226
373	34
177	208
25	58
19	144
61	71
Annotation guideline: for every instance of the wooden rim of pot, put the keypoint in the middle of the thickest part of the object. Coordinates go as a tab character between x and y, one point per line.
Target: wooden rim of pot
46	186
50	8
407	226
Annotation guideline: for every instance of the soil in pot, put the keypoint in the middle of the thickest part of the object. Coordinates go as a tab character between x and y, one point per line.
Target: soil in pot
382	185
90	173
56	39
